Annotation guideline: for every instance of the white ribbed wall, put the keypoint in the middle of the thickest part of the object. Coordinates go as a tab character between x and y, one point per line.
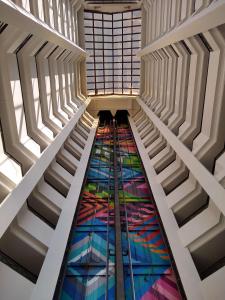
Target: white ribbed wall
44	130
61	15
179	128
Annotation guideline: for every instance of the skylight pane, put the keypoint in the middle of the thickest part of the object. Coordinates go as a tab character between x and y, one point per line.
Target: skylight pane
108	85
117	31
108	91
98	38
98	45
108	31
118	38
87	15
99	72
98	23
108	72
107	24
107	17
117	24
127	15
88	23
117	16
136	14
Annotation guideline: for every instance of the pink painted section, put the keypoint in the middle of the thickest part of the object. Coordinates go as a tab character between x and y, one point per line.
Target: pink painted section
164	288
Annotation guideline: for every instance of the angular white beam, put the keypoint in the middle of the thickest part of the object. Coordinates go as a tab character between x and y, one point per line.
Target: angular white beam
47	280
208	18
208	182
186	268
14	202
26	22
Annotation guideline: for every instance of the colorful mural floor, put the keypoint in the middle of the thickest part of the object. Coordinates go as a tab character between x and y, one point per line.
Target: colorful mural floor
90	265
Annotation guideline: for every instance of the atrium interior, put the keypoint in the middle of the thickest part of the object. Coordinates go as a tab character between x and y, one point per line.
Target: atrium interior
112	149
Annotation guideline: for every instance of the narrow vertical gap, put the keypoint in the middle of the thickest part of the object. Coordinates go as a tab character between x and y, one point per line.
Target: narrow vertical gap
125	226
120	295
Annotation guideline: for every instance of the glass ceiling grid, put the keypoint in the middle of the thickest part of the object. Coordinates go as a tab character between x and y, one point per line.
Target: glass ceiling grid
112	41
